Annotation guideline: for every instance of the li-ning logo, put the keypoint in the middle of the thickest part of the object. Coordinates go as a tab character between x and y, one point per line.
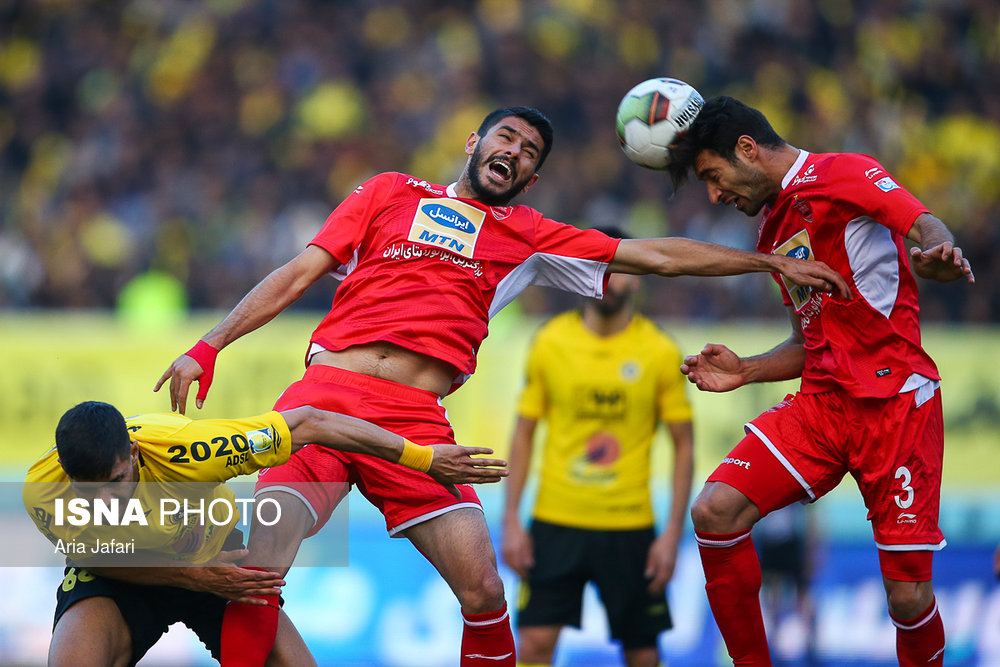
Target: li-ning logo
738	462
905	517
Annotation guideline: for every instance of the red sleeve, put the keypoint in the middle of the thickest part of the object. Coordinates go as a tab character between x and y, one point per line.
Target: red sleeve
345	228
596	250
558	238
863	183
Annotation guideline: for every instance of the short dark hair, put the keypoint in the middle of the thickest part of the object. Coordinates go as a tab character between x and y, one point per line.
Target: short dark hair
91	438
717	127
530	115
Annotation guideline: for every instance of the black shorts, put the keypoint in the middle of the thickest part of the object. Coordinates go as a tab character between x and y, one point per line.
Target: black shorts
614	560
149	610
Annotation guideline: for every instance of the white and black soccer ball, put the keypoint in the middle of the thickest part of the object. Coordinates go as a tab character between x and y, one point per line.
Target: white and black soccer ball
650	117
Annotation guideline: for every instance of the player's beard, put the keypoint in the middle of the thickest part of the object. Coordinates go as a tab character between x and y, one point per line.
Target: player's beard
757	185
612	303
483	191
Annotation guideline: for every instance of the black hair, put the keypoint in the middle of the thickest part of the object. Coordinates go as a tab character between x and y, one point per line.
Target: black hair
613	231
717	127
91	438
530	115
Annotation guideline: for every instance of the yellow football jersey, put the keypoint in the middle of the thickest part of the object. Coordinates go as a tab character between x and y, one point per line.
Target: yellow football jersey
179	458
602	399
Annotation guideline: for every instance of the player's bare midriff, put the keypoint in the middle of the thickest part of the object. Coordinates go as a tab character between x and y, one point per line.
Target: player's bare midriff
391	362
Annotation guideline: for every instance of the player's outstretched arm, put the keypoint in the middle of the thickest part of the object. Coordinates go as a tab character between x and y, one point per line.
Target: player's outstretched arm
277	291
717	368
448	464
937	257
220	576
677	256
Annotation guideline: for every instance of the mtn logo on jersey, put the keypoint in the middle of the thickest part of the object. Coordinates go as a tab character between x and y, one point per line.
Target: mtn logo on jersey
262	439
797	247
448	224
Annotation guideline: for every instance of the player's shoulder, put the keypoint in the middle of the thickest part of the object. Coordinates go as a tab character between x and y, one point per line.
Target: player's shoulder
846	166
155	423
46	468
414	184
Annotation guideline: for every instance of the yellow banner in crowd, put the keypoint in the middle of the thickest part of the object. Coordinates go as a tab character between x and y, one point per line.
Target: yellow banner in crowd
54	361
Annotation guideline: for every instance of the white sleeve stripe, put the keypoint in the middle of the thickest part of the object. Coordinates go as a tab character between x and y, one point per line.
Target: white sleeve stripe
572	274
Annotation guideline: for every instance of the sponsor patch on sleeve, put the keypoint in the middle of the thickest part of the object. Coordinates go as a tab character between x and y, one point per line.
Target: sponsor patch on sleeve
261	439
886	184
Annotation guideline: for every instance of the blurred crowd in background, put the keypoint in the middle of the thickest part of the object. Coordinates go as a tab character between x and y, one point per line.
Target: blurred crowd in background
205	142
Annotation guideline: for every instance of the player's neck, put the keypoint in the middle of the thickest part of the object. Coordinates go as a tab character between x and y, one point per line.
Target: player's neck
607	324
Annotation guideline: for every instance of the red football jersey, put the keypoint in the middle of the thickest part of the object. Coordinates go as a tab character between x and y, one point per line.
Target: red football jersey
426	270
845	210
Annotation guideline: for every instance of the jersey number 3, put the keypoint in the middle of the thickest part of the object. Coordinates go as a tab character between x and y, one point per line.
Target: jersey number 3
907	500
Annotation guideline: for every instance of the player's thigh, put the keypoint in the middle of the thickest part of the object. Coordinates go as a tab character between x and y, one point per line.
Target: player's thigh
791	452
635	615
458	544
899	474
91	632
552	593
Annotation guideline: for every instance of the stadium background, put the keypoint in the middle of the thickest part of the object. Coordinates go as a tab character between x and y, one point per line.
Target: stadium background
157	158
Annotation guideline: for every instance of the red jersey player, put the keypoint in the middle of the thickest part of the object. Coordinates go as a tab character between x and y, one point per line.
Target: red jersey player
869	403
424	267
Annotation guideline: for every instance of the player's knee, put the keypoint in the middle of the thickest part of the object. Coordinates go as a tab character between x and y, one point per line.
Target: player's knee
484	596
908	599
719	508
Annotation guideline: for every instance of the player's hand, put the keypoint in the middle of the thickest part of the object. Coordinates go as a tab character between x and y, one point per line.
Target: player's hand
182	373
198	363
454	464
811	273
943	263
516	549
223	577
661	561
717	368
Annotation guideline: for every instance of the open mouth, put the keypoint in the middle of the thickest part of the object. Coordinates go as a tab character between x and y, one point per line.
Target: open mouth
501	170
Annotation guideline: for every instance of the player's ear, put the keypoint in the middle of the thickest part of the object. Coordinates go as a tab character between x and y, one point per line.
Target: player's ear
747	147
531	181
470	143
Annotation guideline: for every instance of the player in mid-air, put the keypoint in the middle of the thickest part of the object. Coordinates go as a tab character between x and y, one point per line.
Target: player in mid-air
110	612
869	403
602	378
424	267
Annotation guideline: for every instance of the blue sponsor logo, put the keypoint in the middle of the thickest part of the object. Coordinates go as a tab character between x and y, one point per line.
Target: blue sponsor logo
799	252
448	217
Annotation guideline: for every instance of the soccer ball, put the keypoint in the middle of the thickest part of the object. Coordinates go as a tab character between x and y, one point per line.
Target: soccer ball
650	117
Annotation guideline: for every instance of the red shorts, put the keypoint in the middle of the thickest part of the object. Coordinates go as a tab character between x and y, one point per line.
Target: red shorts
317	474
801	448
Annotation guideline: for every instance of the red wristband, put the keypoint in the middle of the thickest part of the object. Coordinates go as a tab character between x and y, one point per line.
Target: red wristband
205	355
